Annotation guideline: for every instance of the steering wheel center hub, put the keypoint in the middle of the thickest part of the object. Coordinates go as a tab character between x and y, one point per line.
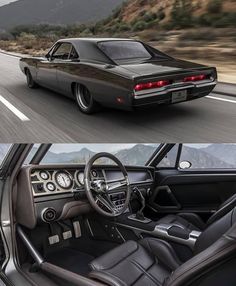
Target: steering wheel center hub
101	186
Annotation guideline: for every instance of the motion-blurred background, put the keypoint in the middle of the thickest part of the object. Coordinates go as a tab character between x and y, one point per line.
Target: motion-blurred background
203	31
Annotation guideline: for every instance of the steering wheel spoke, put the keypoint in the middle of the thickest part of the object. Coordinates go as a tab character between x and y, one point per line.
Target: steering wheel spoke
106	202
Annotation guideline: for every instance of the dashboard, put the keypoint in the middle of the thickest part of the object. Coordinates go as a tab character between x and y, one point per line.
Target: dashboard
51	193
51	182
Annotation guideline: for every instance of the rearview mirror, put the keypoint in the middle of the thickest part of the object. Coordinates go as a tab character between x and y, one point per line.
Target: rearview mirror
185	165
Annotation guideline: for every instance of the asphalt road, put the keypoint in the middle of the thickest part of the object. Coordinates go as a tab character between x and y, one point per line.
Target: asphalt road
44	116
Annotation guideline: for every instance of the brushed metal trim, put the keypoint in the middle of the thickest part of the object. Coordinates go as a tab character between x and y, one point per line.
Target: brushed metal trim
160	231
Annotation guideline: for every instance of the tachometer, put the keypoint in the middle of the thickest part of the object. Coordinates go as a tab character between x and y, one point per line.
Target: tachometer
64	180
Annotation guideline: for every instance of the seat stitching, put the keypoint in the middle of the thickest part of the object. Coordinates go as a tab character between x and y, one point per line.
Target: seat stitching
112	275
169	248
144	272
123	258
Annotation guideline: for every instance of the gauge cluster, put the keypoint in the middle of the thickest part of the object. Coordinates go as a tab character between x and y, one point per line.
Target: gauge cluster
49	182
69	180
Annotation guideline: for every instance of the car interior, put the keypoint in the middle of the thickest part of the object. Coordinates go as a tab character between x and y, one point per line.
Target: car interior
163	223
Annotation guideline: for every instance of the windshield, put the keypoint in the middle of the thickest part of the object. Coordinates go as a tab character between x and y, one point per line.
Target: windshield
124	50
129	154
4	148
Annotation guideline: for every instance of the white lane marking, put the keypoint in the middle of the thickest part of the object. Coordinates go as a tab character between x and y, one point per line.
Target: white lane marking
221	99
13	109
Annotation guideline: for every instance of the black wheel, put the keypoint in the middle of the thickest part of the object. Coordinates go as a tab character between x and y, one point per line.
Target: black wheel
85	100
30	82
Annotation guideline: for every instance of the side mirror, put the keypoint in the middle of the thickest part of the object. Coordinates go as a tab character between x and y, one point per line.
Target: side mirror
185	165
48	56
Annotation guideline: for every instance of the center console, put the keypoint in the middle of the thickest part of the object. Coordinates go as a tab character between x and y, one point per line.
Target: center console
169	232
176	233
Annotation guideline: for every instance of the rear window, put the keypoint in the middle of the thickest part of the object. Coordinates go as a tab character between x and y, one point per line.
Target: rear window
124	50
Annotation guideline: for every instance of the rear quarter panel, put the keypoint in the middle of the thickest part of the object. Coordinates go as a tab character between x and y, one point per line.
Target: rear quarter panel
105	84
31	64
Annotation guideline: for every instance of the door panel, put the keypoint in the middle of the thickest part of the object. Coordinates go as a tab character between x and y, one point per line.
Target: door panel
46	75
192	191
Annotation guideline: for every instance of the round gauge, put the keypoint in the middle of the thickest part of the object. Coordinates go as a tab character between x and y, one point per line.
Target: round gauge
51	187
44	175
64	180
94	173
80	177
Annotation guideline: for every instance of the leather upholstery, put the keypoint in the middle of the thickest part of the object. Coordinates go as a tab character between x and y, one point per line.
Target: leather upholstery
152	261
182	221
192	221
132	264
226	207
212	257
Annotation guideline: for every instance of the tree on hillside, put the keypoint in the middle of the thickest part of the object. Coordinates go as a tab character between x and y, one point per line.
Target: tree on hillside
214	6
182	13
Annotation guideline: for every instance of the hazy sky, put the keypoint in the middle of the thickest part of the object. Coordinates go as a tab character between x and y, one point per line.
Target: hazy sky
4	2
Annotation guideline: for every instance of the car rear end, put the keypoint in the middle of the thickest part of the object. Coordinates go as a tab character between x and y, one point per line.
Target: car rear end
173	88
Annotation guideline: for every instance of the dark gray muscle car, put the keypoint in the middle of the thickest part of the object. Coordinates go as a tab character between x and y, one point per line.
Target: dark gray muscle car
119	73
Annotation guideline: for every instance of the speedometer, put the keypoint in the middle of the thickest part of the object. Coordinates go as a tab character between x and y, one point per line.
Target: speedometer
64	180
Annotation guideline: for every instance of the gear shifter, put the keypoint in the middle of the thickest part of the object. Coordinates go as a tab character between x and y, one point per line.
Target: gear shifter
139	216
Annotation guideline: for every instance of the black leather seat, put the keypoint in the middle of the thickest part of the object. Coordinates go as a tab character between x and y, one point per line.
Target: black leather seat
192	221
152	261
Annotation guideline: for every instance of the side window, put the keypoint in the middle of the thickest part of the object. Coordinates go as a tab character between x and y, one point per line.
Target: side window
169	161
62	52
73	54
208	156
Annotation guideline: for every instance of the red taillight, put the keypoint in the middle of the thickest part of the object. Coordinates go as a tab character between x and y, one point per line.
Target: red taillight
150	85
195	78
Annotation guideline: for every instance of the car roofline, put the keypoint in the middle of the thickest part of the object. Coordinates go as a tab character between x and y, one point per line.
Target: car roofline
94	40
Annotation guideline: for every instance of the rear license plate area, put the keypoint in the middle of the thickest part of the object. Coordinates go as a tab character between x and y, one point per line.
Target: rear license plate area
179	96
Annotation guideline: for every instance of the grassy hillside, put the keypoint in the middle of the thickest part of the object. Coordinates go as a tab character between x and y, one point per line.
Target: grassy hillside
138	15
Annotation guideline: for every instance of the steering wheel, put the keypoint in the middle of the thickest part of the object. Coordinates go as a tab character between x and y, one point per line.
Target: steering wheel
99	189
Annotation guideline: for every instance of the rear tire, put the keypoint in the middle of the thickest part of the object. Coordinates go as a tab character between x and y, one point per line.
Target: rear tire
30	81
84	99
